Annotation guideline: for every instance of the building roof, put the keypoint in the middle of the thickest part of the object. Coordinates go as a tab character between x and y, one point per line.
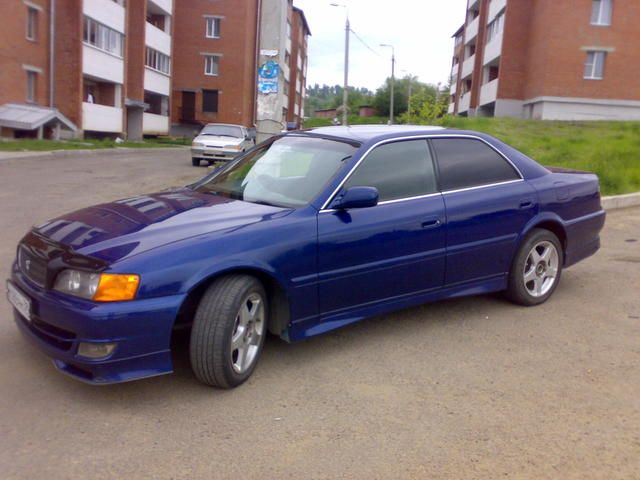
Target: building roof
458	32
31	117
304	19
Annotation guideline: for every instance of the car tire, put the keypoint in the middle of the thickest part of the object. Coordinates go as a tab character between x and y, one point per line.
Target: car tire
195	162
228	331
536	269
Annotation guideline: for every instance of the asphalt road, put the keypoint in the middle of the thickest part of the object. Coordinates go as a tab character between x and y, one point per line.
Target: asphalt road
464	389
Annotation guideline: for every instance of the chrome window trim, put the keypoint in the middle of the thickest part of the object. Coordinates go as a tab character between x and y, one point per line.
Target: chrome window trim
421	137
397	200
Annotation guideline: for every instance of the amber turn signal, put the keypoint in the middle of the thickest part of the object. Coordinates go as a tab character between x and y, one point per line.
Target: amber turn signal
116	287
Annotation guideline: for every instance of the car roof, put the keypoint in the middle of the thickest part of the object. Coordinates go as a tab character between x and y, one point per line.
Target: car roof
224	125
363	133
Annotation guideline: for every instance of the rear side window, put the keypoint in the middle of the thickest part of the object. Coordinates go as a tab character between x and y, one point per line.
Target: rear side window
465	162
398	170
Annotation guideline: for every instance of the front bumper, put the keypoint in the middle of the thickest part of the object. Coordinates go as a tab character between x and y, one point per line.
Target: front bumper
214	154
141	328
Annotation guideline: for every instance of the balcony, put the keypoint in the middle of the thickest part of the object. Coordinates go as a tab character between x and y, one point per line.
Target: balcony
467	66
471	4
454	85
101	118
495	7
153	124
107	12
464	103
493	49
489	92
102	65
165	5
157	39
451	109
156	82
471	30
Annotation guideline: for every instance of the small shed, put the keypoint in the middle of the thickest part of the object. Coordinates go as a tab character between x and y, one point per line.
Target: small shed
29	118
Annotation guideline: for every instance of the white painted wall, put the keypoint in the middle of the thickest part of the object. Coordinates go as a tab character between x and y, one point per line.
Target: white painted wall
467	66
156	82
102	65
509	108
100	118
465	101
157	39
106	12
153	124
559	108
471	31
495	7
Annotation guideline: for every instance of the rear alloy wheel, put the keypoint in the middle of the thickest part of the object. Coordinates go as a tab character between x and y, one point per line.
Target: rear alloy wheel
228	331
536	270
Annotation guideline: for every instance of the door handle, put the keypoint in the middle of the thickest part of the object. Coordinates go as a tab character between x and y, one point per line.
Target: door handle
431	223
524	204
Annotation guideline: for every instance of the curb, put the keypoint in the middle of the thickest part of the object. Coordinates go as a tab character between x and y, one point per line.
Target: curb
92	151
621	201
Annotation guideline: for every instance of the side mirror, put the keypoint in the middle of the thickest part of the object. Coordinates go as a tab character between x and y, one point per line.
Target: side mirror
356	197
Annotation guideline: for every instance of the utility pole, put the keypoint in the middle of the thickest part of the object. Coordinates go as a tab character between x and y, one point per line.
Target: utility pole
393	80
345	91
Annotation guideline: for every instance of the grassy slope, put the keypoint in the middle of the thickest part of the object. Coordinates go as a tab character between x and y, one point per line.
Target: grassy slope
609	149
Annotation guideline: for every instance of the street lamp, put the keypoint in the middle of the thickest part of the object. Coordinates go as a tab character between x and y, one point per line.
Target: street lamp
345	92
393	78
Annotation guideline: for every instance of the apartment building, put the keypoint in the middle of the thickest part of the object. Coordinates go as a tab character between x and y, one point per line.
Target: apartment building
548	59
296	88
102	66
147	67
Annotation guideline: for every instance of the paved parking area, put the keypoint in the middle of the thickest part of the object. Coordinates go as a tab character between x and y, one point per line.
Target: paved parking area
471	388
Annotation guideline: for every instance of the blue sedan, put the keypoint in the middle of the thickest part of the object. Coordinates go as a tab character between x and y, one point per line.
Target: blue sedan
305	233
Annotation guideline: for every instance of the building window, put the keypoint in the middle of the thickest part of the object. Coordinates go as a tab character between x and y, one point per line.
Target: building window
288	29
495	27
32	80
594	66
213	27
210	101
102	37
287	58
601	12
157	61
211	65
286	87
32	23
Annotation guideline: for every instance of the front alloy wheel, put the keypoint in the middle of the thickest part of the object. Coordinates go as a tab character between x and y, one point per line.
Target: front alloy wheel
228	331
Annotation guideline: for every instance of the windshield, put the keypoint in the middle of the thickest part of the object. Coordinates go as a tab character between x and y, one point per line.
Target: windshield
288	172
222	131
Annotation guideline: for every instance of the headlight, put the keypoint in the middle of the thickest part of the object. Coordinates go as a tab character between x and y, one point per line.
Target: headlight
237	148
101	287
197	144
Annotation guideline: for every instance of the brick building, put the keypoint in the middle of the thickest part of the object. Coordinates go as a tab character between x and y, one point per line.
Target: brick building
297	67
109	67
548	59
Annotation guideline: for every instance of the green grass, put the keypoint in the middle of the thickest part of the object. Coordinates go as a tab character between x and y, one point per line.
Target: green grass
29	145
609	149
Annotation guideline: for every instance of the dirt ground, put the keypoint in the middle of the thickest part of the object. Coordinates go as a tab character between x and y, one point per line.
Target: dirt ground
465	389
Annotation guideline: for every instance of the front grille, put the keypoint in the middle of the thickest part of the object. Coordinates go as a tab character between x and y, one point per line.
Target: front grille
32	266
54	336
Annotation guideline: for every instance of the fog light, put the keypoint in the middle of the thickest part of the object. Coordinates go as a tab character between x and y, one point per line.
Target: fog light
95	350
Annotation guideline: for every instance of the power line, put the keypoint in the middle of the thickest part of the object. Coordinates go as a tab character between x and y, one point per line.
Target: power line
366	45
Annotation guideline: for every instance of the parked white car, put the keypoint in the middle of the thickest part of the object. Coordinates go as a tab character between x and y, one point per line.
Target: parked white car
220	142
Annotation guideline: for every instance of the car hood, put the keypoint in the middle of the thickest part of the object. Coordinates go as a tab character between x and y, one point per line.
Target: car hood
218	141
117	230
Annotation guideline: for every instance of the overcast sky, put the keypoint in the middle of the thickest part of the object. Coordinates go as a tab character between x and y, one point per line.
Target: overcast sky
420	30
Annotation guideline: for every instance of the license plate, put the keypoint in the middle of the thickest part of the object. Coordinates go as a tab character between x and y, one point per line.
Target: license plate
19	300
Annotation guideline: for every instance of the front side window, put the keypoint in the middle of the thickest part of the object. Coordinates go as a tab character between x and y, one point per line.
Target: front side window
288	172
398	170
211	65
601	11
32	23
466	163
594	65
213	27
